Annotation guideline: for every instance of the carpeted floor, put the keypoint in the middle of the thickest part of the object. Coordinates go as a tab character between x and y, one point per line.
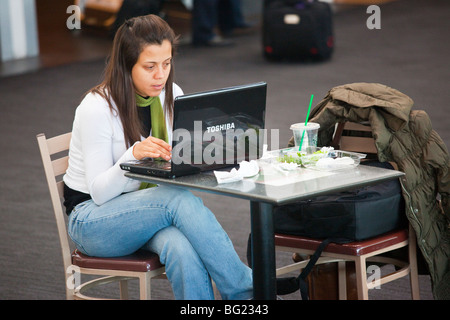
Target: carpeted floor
410	53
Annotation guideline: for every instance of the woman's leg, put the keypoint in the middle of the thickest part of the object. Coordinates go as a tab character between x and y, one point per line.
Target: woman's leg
185	270
199	225
120	226
126	223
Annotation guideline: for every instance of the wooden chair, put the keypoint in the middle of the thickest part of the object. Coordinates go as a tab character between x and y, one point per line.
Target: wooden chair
143	265
359	252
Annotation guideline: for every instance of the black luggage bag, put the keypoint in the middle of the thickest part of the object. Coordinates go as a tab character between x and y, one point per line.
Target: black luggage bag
350	215
297	30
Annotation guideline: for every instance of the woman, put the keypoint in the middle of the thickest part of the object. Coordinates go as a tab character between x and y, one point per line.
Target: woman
110	215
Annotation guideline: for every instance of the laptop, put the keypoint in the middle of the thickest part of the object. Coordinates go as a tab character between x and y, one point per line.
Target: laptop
212	130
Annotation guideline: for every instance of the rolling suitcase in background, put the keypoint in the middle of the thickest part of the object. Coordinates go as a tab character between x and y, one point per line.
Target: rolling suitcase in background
297	30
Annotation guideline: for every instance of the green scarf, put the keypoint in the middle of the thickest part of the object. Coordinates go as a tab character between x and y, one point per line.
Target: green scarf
159	129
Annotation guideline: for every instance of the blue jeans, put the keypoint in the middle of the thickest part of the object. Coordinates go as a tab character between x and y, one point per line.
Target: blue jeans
177	226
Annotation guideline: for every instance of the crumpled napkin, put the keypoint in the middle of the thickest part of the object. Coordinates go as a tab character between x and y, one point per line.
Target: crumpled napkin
246	169
330	163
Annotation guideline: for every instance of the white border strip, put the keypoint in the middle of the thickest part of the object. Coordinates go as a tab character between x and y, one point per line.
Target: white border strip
18	28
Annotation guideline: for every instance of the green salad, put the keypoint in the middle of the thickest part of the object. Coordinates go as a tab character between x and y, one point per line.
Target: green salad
288	158
301	158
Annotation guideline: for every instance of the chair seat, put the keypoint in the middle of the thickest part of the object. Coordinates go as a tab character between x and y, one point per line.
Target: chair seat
356	248
140	261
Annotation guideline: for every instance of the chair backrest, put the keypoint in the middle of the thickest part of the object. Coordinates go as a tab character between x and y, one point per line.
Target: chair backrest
356	137
54	169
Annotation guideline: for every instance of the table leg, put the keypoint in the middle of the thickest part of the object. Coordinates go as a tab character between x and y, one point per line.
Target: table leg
263	251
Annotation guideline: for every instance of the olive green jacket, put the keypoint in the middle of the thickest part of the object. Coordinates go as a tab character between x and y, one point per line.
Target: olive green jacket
404	136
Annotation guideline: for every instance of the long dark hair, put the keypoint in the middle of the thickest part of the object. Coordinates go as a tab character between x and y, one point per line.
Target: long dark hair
117	85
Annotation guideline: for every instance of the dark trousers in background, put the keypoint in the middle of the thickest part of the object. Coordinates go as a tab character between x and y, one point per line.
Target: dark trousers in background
207	14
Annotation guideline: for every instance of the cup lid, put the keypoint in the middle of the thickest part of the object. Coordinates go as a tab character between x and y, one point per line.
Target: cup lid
301	125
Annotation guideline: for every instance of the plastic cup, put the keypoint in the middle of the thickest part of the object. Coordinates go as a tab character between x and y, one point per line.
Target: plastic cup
310	137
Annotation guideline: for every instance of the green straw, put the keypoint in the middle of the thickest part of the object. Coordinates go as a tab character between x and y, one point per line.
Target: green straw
306	123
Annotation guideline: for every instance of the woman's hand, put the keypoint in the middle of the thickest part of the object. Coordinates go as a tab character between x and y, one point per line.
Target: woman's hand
152	148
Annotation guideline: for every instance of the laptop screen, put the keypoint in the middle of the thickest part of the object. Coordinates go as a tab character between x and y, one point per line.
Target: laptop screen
220	127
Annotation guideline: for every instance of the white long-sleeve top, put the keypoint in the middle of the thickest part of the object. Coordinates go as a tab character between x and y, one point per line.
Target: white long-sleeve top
98	147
